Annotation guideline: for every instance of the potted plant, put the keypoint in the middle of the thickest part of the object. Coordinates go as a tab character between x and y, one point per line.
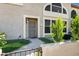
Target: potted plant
57	31
2	41
75	29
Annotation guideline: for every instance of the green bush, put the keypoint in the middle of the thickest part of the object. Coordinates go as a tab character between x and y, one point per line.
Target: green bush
45	40
57	30
75	29
2	39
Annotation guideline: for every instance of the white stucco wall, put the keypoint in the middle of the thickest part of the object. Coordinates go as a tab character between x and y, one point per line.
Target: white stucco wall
12	18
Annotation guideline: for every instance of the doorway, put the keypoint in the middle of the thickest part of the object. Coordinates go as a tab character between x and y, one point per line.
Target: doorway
32	27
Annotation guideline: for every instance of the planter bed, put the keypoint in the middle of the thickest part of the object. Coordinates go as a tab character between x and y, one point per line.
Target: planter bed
14	44
45	40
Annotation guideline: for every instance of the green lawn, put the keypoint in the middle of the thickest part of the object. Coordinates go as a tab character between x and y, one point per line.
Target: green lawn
45	40
14	44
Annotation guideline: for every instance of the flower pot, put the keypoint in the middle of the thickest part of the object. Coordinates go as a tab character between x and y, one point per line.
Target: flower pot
0	51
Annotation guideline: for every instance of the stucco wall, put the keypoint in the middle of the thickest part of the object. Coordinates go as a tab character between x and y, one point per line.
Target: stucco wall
67	5
11	20
35	9
12	17
66	49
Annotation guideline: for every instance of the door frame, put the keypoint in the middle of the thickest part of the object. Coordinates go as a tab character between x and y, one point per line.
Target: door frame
24	26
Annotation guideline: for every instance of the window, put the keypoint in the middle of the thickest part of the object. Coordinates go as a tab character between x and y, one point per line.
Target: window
65	29
64	11
57	4
47	8
53	21
55	7
48	22
47	26
73	14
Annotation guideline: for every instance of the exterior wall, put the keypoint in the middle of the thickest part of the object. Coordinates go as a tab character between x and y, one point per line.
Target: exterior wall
11	20
35	9
68	7
12	17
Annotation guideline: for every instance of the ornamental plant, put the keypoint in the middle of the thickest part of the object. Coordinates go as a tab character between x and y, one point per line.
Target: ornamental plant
2	39
57	30
75	29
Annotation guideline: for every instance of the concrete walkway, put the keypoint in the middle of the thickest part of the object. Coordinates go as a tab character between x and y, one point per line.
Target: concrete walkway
35	43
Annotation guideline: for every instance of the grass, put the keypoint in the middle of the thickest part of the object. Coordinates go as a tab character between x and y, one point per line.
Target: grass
14	44
45	40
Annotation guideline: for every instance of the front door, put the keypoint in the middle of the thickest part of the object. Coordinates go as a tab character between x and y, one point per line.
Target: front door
32	28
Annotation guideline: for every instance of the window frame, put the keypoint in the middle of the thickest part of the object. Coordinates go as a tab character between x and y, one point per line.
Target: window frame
56	6
51	19
65	27
49	7
47	26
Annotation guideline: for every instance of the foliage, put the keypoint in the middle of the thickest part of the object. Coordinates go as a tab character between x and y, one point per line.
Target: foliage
57	30
14	44
2	39
75	28
45	40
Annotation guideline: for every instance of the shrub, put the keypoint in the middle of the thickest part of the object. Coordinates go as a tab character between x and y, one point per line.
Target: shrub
57	30
75	29
45	40
2	39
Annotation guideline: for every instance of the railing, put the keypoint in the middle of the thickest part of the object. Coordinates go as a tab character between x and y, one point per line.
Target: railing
32	52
